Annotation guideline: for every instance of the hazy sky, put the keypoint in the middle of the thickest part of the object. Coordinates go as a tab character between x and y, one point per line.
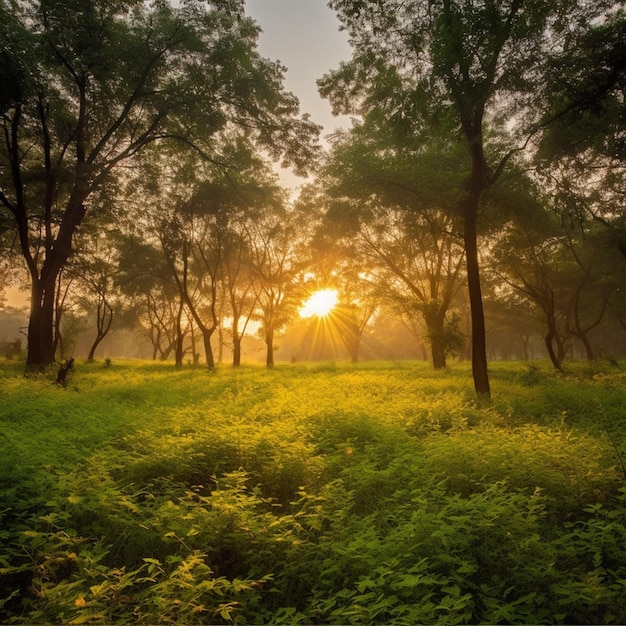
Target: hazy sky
304	36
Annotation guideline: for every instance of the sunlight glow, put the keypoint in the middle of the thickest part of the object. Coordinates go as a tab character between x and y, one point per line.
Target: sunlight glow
320	304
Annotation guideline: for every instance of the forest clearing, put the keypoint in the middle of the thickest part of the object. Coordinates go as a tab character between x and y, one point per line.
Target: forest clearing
382	492
471	214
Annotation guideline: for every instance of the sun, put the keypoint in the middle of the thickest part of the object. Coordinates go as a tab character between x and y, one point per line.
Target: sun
320	304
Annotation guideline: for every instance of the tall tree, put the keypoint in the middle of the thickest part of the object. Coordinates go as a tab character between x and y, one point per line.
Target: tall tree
273	240
243	197
150	291
388	200
108	79
239	279
94	270
193	255
465	64
528	257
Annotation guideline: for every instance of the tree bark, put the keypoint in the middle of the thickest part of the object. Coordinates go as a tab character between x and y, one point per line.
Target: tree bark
208	350
479	339
41	344
236	350
470	203
104	321
180	337
555	357
434	318
269	341
438	355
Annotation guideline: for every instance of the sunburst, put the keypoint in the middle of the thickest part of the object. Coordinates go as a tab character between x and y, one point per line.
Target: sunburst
319	304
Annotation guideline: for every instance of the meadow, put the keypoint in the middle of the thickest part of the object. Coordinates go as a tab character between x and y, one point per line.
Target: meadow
313	494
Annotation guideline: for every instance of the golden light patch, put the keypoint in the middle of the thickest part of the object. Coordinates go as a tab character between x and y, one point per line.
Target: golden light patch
319	304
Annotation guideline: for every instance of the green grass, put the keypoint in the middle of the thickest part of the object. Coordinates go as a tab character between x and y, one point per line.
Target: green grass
320	493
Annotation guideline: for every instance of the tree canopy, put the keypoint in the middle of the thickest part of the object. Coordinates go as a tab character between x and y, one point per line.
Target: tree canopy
105	80
474	68
482	178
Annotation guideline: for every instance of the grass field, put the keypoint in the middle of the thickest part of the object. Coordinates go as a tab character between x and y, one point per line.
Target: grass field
313	494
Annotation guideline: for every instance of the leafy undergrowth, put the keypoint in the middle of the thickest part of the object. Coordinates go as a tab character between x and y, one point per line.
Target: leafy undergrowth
378	493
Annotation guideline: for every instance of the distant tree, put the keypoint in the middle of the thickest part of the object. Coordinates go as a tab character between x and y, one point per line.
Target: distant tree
106	80
245	195
527	256
240	280
94	270
193	256
273	236
513	326
465	66
389	206
144	280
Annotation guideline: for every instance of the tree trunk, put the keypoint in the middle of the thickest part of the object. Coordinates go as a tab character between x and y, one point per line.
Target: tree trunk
470	205
165	353
180	337
41	343
208	350
269	340
194	350
434	319
438	355
479	339
104	321
236	350
555	357
220	343
581	333
589	353
472	125
94	345
59	309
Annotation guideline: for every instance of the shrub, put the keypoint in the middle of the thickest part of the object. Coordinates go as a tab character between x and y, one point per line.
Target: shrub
381	493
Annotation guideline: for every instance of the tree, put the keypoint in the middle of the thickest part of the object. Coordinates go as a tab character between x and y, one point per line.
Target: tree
107	80
193	256
15	59
416	264
143	278
243	195
273	239
240	279
387	203
528	257
95	271
466	65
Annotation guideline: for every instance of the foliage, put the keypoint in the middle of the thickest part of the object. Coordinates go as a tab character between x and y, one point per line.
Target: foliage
95	85
377	493
476	73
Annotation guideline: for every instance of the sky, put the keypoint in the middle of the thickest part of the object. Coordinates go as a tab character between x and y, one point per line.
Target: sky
304	36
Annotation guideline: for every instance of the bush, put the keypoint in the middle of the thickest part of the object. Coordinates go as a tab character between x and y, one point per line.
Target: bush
382	493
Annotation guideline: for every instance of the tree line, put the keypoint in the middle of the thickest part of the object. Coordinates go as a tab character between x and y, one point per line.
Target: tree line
479	191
